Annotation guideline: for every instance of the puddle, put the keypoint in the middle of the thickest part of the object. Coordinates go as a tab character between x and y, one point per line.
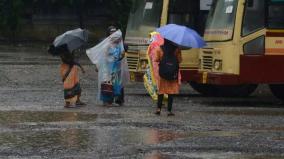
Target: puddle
278	138
207	155
270	128
155	137
65	140
8	57
156	155
41	59
110	116
46	141
28	116
247	112
74	141
5	56
215	134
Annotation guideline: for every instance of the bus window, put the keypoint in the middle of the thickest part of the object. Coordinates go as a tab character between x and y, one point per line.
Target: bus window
144	17
184	12
221	20
255	47
275	19
253	17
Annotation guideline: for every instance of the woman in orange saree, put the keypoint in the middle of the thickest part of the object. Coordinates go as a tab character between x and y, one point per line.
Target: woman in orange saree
70	78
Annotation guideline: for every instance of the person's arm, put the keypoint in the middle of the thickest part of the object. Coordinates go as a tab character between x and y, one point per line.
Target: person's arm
81	67
121	56
125	47
96	68
178	53
157	54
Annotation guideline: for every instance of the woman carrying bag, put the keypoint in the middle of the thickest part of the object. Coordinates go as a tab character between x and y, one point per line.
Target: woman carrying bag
108	56
169	79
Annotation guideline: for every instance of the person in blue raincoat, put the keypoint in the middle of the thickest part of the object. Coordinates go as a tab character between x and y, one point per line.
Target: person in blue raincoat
108	56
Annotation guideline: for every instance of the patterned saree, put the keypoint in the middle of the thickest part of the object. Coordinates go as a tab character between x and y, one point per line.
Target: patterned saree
71	85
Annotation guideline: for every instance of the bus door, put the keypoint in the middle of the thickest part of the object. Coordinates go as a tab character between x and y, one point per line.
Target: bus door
262	41
183	12
188	13
252	41
274	40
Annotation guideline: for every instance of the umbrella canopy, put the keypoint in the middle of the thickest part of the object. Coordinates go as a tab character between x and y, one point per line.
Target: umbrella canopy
74	39
183	36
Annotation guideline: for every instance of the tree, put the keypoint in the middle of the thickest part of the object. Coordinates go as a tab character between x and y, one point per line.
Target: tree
78	6
10	16
120	11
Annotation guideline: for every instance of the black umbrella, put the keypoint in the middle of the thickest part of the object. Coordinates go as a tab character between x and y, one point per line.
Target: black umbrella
69	41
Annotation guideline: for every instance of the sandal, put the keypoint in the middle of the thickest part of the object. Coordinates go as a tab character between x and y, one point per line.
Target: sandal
171	114
79	103
70	106
107	104
158	112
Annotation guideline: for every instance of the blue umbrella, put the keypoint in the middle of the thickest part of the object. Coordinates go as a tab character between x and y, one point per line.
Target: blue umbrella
183	36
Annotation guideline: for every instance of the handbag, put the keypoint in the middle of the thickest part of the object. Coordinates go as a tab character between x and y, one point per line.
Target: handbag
107	88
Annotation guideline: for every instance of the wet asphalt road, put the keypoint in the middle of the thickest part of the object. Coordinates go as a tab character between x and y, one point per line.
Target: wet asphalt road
34	124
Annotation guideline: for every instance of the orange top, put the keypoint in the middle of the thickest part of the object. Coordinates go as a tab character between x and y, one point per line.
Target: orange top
165	86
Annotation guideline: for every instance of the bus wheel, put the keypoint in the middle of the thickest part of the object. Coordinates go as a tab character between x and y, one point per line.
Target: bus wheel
204	89
277	90
235	90
224	91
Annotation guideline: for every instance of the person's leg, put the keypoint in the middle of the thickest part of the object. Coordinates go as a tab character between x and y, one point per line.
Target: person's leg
170	105
79	102
159	104
67	104
69	99
119	99
122	94
78	92
106	99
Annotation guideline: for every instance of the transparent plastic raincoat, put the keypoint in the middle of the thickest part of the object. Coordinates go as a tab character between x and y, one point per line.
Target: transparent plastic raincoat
112	67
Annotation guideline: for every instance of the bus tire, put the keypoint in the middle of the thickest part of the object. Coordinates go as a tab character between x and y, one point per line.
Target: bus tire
224	91
277	90
204	89
243	90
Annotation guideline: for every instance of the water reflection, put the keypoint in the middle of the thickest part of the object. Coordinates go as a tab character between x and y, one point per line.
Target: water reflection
71	141
247	112
155	155
28	116
154	136
38	143
48	139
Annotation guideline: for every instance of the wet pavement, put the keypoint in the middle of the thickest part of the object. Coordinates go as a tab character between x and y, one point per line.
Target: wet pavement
34	124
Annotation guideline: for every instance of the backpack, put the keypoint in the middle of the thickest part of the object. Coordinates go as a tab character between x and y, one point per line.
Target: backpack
168	67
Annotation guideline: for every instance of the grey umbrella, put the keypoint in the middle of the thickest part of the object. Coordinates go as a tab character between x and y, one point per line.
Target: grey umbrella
74	39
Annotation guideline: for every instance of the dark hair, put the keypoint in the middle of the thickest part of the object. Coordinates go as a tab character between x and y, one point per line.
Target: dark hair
55	51
68	58
111	29
169	47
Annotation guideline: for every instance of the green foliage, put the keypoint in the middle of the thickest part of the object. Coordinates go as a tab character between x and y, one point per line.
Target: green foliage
10	15
14	12
120	11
